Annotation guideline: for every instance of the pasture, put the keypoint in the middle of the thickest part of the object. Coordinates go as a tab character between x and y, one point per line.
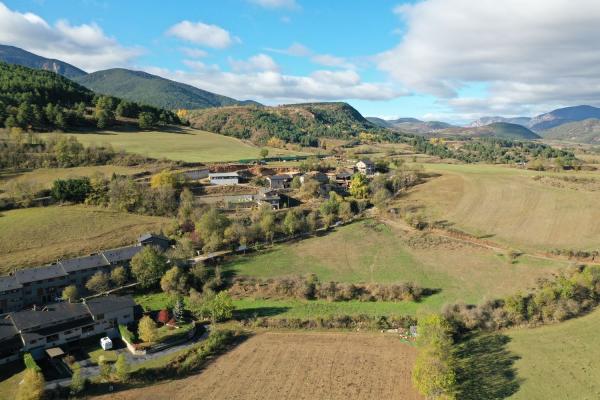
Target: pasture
363	252
40	235
43	177
558	361
297	366
186	145
509	206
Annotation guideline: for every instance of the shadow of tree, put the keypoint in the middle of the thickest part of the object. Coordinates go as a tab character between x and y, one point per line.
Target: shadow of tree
258	312
486	368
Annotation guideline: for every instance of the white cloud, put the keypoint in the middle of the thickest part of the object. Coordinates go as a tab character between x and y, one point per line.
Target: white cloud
259	62
290	4
85	46
194	53
535	54
272	86
327	60
203	34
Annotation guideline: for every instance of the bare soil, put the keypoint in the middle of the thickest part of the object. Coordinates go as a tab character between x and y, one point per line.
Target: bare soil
298	366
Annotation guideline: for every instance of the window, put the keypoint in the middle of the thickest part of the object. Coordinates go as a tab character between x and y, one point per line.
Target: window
100	316
51	338
87	329
34	341
68	332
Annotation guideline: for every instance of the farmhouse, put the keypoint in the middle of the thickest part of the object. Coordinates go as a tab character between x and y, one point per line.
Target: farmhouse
224	178
269	197
316	175
58	324
42	285
365	167
280	181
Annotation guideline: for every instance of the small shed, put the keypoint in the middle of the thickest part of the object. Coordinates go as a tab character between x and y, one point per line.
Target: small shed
55	352
106	343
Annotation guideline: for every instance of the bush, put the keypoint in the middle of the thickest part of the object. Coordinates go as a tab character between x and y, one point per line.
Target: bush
30	362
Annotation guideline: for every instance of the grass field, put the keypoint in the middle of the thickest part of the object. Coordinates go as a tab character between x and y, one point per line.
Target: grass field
44	177
558	361
362	253
188	145
39	235
507	205
298	366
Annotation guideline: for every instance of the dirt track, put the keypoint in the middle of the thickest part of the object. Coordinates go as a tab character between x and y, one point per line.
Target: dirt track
298	366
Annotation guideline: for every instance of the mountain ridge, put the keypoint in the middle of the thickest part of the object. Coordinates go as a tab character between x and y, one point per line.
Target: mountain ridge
15	55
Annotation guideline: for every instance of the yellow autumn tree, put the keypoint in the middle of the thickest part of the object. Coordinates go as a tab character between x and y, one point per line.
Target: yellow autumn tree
165	178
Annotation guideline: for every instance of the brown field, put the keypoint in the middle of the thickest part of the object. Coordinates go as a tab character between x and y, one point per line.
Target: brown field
298	366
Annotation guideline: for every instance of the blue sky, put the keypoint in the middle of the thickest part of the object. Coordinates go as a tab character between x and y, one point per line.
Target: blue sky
453	60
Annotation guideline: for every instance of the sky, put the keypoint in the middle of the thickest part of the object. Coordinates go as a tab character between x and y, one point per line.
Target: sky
450	60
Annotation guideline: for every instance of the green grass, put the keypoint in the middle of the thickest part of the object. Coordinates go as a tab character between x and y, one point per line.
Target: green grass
558	361
188	145
39	235
360	253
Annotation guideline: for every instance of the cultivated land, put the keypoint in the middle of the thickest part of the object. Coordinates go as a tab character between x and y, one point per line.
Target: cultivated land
298	366
558	361
507	205
34	236
186	145
363	252
44	177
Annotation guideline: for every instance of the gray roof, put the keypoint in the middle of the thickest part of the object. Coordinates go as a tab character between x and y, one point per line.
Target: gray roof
223	174
102	305
9	283
121	254
53	314
7	329
283	177
82	263
148	236
39	273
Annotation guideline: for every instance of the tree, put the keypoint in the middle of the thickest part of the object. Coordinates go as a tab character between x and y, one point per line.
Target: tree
147	329
73	189
148	266
178	310
345	211
119	276
104	118
77	381
70	293
381	197
329	209
174	281
200	274
186	206
312	221
165	178
146	120
211	226
293	222
32	387
264	153
98	283
296	182
122	368
434	370
218	307
267	222
359	186
163	316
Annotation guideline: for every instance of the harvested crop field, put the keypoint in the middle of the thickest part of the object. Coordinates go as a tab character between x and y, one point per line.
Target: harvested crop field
298	366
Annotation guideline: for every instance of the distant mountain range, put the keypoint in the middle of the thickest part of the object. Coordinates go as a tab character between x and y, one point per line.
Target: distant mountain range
150	89
410	125
15	55
136	86
574	124
501	130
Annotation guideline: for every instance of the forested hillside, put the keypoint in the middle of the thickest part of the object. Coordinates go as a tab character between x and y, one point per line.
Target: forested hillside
15	55
41	100
294	123
150	89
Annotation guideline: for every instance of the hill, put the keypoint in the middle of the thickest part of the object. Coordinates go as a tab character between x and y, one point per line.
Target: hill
15	55
294	123
41	100
562	116
150	89
483	121
500	130
586	131
410	125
